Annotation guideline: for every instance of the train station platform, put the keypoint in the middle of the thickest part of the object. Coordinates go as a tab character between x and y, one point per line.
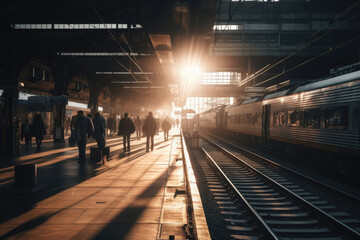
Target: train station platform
134	195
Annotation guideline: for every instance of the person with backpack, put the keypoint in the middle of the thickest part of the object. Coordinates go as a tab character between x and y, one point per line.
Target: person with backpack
138	127
99	130
126	128
26	131
83	127
149	128
38	128
166	127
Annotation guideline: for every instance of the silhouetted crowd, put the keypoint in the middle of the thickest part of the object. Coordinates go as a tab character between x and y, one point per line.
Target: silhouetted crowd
83	127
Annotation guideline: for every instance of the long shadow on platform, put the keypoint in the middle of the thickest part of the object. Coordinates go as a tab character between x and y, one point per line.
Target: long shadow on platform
54	178
119	227
59	177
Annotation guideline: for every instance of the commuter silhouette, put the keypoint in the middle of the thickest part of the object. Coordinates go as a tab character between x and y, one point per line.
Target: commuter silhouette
126	128
149	129
99	130
38	130
67	125
83	126
26	131
73	122
138	127
166	127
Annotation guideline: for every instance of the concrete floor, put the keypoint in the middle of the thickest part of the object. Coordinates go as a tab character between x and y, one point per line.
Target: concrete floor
135	195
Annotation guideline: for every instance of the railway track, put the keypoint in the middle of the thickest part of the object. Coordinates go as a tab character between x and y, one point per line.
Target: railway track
261	201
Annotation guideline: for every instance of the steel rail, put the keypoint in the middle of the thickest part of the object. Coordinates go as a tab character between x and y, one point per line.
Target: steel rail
255	214
316	210
331	188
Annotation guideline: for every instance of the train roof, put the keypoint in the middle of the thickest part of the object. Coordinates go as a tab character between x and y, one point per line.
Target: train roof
307	87
329	82
277	94
252	100
212	110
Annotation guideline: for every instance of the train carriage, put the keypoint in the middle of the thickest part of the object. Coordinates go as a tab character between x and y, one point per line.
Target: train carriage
245	118
321	115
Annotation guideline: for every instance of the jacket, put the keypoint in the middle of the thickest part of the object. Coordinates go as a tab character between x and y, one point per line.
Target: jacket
99	127
84	125
126	126
38	128
149	126
166	125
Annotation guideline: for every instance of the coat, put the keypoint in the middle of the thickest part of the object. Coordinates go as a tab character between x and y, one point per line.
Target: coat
149	127
166	125
84	125
99	128
126	126
26	130
38	128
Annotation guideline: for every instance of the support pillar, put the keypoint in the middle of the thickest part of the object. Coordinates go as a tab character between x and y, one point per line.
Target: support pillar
9	120
94	100
59	120
10	123
61	80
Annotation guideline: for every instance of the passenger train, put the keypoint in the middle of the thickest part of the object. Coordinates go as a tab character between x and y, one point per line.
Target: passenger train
323	115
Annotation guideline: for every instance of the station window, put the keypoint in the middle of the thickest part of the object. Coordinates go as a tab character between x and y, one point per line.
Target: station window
337	118
220	78
312	118
227	27
293	119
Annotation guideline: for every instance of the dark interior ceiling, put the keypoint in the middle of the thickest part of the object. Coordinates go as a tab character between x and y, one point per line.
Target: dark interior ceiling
172	30
183	21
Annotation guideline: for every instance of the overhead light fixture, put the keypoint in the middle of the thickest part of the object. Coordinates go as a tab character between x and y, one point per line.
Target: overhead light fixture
144	87
123	73
130	82
101	54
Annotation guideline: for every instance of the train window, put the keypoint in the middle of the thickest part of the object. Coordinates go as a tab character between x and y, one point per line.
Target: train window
279	119
337	118
312	118
276	119
293	119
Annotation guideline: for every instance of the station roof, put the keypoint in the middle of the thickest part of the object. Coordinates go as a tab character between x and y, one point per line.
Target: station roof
136	48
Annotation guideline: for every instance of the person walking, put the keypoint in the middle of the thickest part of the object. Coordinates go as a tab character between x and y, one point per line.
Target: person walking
166	127
38	130
109	126
126	128
99	130
157	120
26	132
149	128
73	122
84	126
67	125
138	127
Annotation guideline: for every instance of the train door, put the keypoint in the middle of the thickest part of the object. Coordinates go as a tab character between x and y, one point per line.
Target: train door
266	121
